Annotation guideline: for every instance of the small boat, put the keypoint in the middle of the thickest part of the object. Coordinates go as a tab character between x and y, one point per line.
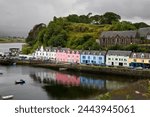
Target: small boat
7	97
1	73
62	69
20	82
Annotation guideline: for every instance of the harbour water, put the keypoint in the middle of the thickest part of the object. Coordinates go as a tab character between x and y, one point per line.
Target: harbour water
47	84
44	84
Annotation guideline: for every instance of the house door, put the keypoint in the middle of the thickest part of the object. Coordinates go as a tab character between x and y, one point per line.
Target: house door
120	64
112	63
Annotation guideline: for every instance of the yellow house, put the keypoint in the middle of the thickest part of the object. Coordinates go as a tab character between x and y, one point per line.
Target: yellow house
139	60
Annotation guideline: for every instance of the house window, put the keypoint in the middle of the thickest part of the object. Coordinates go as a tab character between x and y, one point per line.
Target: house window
116	59
125	59
94	57
125	63
88	57
100	58
83	57
83	61
143	61
109	58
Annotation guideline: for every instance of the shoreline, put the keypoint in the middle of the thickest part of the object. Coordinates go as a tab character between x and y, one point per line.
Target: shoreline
120	71
139	90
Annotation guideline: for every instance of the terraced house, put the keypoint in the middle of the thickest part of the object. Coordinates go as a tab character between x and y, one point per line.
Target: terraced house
67	55
117	58
140	60
45	53
93	57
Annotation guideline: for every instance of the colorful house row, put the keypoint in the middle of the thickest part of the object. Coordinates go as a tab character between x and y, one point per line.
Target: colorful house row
66	55
109	58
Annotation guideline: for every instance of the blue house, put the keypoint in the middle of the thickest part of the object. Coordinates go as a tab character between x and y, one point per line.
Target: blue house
92	57
90	82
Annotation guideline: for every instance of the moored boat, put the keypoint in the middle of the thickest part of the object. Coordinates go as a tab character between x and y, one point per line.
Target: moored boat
7	97
62	69
20	82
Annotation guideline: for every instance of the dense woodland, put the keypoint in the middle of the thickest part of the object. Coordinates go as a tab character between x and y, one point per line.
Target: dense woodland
77	31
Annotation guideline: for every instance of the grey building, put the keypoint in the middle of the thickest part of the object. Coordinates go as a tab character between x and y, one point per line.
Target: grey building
144	33
111	38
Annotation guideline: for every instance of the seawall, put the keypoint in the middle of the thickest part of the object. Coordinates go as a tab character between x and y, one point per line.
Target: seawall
99	70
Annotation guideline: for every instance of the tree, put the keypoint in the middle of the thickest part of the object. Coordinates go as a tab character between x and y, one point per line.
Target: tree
109	18
122	26
84	19
140	25
73	18
32	36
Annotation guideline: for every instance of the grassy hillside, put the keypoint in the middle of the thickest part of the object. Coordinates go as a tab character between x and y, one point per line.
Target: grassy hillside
76	32
65	34
12	40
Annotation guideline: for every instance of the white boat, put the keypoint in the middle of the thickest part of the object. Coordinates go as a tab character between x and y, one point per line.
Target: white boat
62	69
7	97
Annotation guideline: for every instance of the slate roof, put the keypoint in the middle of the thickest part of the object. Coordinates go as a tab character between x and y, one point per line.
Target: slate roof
132	34
92	52
119	53
144	31
140	55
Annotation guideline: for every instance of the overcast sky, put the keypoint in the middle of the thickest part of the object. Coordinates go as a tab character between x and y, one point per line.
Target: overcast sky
17	17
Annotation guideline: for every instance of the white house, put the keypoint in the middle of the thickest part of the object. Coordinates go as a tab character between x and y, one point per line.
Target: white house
117	58
51	53
45	54
39	53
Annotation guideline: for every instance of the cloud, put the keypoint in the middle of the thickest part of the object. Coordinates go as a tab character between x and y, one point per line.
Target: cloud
125	8
17	17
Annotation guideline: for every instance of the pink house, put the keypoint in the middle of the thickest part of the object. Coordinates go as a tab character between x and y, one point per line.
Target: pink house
73	56
67	79
61	55
67	55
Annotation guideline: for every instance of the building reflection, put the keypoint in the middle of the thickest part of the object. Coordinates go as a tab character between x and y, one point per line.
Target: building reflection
94	83
67	79
53	77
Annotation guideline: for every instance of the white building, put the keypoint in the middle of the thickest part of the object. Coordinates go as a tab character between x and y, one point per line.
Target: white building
117	58
25	57
51	53
48	53
39	53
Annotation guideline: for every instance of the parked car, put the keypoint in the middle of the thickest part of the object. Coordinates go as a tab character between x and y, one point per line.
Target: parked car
138	68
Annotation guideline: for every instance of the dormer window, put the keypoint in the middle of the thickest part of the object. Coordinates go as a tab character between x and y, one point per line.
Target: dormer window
142	55
134	55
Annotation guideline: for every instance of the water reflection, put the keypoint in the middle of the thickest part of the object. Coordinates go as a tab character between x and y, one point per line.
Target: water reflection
67	86
95	83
